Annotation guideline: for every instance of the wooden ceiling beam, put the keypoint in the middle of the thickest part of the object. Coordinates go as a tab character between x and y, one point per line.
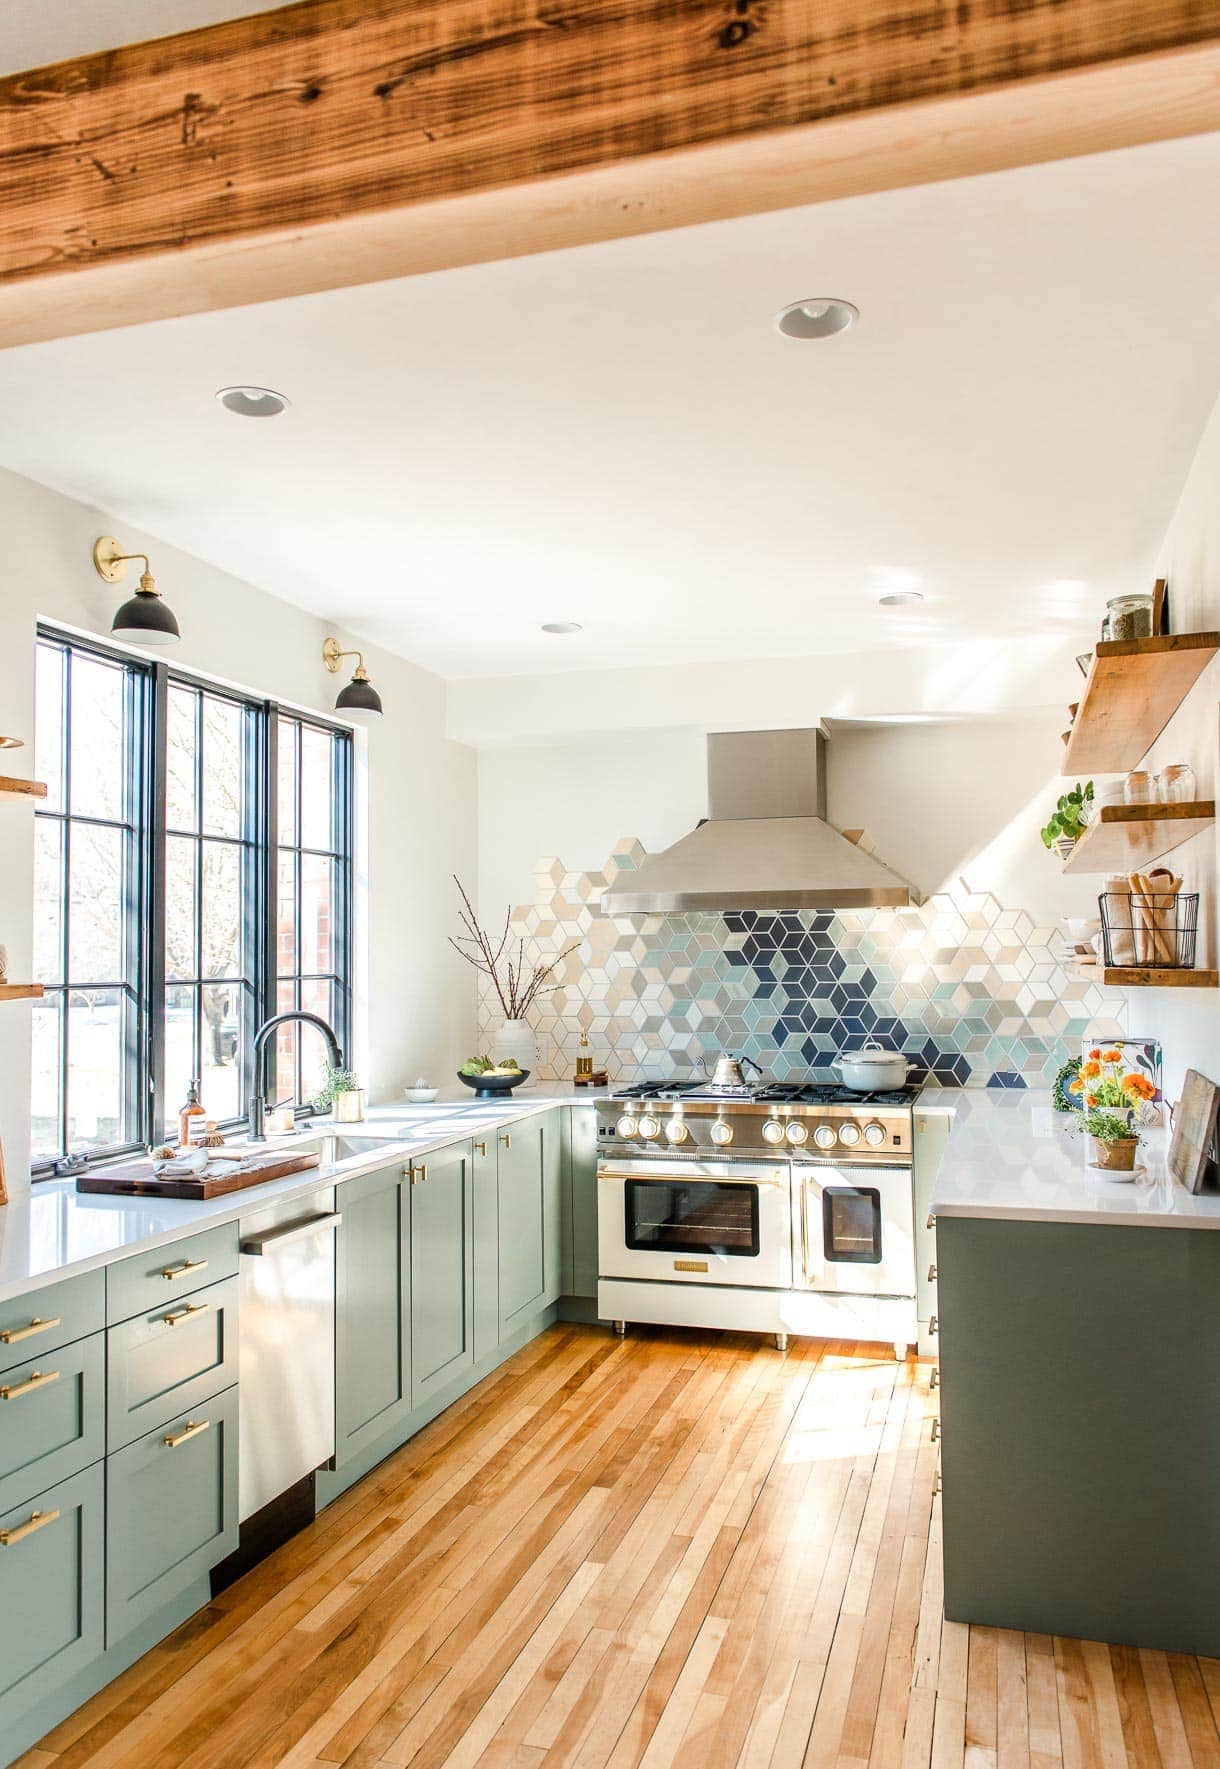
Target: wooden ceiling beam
335	142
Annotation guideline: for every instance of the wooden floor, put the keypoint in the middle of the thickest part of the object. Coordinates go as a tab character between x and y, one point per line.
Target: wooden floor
680	1548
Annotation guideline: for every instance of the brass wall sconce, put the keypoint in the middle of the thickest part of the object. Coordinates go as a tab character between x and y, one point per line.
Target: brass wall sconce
359	697
144	618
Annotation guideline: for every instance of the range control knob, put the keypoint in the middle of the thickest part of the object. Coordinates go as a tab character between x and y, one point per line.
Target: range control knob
874	1135
722	1133
797	1133
676	1130
648	1128
824	1136
626	1125
849	1135
773	1131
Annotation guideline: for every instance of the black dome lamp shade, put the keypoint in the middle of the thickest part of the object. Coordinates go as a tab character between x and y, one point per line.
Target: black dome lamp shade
359	698
144	618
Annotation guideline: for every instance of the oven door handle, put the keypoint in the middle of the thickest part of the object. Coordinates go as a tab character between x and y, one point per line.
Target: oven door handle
679	1177
810	1276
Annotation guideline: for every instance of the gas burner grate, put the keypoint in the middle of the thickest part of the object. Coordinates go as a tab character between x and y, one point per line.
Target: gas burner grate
831	1093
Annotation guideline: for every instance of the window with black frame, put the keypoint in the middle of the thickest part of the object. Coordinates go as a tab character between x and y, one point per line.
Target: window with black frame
193	865
90	858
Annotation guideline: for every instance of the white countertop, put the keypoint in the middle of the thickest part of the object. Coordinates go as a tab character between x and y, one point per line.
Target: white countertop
1011	1156
53	1231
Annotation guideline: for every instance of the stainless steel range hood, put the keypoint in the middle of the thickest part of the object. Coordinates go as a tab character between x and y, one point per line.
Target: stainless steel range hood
766	843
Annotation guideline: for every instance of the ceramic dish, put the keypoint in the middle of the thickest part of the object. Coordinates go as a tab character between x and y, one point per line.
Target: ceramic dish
493	1086
421	1096
1115	1175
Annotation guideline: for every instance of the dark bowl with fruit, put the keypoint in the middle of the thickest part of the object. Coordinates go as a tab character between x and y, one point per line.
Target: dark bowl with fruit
490	1081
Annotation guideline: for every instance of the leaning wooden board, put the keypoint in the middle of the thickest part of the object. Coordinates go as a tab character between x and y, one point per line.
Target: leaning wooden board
140	1181
1191	1149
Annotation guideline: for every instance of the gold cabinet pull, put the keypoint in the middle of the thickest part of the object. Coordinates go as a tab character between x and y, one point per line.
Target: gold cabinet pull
931	1219
934	1379
180	1314
418	1174
506	1139
192	1428
170	1272
480	1148
37	1379
932	1273
934	1325
936	1431
35	1521
14	1335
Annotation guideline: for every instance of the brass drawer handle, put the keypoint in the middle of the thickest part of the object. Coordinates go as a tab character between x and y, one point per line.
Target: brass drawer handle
936	1431
37	1520
192	1428
480	1148
932	1273
180	1314
171	1272
934	1379
38	1379
506	1139
931	1219
418	1174
934	1325
14	1335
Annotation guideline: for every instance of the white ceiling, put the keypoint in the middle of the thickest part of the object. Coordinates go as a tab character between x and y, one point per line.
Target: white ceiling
38	32
617	435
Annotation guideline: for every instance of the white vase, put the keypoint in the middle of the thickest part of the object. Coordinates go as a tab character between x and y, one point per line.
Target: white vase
516	1039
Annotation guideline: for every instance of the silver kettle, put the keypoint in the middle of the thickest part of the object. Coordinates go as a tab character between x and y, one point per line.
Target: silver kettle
729	1073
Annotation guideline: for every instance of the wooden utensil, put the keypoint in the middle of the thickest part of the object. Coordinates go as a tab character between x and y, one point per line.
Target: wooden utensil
1191	1148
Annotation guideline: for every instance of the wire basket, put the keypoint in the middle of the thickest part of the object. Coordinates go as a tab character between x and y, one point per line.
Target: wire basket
1152	930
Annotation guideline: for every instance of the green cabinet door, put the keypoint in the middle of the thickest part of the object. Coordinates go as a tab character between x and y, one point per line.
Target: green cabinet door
171	1511
442	1276
486	1249
51	1584
52	1418
580	1278
372	1309
530	1218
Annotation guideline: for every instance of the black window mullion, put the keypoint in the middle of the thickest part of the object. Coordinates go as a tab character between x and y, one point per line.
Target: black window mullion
157	753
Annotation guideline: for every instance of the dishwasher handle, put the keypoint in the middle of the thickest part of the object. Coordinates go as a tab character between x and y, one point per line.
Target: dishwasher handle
292	1231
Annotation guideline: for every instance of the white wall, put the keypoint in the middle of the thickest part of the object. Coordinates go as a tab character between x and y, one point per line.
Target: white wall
940	801
417	1007
1186	1021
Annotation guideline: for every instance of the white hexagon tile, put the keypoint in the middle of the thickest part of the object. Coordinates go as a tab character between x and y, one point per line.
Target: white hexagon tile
975	994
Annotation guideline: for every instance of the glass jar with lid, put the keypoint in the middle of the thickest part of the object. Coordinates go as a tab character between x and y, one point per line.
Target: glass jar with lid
1175	784
1129	617
1139	789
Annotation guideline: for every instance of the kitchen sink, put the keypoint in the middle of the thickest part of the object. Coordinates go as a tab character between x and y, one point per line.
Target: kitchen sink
334	1148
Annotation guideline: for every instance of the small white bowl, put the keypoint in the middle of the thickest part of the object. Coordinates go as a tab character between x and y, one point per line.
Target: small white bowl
421	1096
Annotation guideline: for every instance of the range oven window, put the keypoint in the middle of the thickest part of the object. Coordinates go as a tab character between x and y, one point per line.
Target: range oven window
691	1215
851	1224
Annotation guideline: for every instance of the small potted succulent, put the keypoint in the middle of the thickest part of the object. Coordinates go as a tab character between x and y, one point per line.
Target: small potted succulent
1068	819
1107	1101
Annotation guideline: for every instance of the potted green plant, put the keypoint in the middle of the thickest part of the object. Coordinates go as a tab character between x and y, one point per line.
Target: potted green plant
1068	819
342	1095
1106	1103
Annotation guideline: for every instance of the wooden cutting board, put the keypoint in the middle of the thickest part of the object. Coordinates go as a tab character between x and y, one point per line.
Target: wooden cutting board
139	1181
1194	1128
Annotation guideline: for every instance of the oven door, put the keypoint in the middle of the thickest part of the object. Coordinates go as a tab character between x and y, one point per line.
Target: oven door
854	1229
695	1222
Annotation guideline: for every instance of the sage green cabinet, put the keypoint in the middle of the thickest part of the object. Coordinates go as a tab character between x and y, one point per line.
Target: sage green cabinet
51	1595
530	1225
171	1510
167	1361
372	1309
42	1320
486	1261
580	1199
163	1274
52	1418
442	1274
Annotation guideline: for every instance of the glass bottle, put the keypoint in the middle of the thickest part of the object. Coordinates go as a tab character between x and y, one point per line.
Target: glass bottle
584	1059
191	1110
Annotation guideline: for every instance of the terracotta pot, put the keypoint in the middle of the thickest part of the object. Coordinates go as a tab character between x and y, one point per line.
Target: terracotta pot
1119	1156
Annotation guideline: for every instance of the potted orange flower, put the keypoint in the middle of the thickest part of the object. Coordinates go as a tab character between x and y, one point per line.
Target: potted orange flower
1107	1102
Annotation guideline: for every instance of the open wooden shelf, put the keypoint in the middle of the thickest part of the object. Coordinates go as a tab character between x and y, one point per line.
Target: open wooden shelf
1133	689
20	991
21	789
1126	838
1143	977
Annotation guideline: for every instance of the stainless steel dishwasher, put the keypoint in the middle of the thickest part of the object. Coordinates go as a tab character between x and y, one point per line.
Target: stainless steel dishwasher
286	1400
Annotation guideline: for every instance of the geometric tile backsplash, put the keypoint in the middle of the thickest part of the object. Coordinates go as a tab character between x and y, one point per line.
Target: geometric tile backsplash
975	994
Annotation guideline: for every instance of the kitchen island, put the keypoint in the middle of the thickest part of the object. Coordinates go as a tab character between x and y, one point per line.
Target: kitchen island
1079	1341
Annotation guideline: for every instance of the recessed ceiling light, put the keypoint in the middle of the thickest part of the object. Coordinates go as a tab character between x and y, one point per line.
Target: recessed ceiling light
818	316
252	402
899	598
561	626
